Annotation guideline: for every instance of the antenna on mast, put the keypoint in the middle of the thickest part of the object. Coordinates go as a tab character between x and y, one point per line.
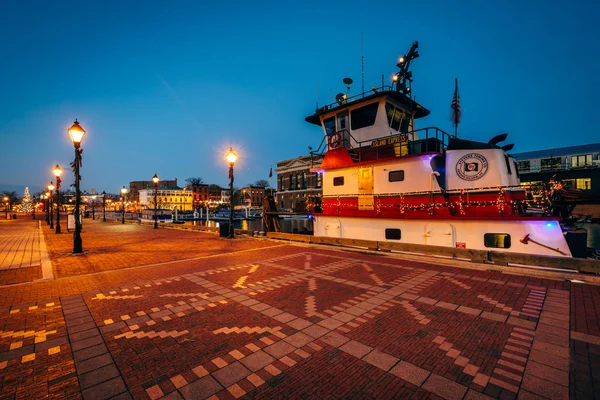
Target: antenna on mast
317	95
362	57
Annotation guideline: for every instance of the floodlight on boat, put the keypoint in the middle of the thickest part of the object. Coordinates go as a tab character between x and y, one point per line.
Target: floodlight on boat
395	78
401	60
340	98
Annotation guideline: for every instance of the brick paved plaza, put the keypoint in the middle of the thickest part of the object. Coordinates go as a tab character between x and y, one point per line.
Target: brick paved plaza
167	313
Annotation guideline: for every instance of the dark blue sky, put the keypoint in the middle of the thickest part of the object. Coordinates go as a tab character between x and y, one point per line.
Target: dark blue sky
167	87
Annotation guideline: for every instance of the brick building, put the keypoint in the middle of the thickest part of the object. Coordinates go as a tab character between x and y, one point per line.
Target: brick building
295	182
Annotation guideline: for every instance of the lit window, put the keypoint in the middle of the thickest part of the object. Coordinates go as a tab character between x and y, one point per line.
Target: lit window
584	183
497	240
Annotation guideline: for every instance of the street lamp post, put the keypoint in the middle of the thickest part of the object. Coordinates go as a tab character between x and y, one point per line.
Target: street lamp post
123	193
33	202
155	180
47	205
103	206
231	158
76	132
57	173
6	203
51	189
94	207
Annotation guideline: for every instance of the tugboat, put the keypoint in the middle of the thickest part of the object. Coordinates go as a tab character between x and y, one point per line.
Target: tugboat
386	180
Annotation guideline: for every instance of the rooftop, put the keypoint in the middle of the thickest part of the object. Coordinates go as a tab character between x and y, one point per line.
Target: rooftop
559	151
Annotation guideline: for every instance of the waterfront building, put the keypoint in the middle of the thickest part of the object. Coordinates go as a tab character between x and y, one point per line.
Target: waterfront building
136	186
577	167
252	196
296	183
168	198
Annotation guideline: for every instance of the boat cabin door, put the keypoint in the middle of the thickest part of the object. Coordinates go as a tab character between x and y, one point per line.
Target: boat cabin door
343	128
440	234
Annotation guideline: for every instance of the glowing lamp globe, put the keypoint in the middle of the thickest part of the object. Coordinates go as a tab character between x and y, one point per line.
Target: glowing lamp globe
51	186
57	171
76	132
231	156
155	178
123	190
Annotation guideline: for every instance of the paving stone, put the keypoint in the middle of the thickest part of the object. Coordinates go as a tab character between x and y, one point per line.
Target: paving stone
105	390
316	331
279	349
98	376
231	374
381	360
410	373
444	388
334	339
356	349
93	363
201	389
544	388
298	339
257	360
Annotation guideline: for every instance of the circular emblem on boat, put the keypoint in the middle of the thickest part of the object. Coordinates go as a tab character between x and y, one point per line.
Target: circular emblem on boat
471	166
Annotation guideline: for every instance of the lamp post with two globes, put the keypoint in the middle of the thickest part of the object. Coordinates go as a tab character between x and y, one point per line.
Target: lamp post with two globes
6	204
231	159
57	173
103	206
76	132
155	180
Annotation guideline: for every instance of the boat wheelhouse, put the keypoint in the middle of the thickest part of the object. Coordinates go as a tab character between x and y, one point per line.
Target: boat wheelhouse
385	179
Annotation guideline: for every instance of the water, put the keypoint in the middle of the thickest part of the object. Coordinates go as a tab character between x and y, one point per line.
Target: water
287	225
593	239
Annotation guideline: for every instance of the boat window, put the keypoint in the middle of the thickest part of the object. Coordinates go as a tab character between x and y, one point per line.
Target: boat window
507	164
363	116
497	240
342	121
338	181
517	169
394	115
392	234
329	125
396	176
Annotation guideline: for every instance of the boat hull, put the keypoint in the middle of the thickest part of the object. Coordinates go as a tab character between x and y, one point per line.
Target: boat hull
462	233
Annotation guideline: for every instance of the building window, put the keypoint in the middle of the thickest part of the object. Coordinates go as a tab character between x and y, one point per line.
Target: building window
338	181
304	180
396	176
319	180
584	183
550	163
497	240
392	234
363	116
581	161
298	181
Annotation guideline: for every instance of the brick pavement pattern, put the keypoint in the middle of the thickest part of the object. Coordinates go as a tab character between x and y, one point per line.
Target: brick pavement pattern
261	319
21	244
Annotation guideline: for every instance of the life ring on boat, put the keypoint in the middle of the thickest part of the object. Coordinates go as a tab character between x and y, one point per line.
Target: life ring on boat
334	140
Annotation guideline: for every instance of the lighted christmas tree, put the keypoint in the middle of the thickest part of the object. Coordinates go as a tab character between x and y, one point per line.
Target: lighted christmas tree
26	204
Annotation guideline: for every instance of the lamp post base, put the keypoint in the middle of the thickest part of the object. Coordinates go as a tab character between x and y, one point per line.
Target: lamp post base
77	245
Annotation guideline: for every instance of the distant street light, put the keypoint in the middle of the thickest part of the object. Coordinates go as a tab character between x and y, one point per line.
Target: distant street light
6	204
33	202
76	132
94	207
155	180
51	189
103	206
123	193
231	159
57	173
47	205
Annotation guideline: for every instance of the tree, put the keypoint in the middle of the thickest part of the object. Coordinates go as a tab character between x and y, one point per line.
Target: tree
26	204
194	181
261	183
11	195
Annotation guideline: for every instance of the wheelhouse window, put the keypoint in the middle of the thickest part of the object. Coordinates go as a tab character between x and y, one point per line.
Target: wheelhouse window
338	181
392	234
398	120
329	125
396	176
363	116
497	240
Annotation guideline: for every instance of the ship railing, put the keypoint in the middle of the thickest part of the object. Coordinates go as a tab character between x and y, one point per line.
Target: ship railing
382	88
430	140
